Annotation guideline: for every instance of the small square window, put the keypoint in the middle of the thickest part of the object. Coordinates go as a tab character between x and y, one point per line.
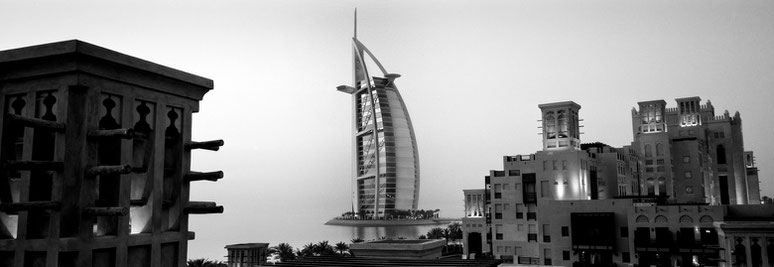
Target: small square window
688	175
686	159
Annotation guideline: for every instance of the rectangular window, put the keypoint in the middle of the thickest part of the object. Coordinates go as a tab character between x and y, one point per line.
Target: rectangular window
660	161
498	191
547	233
514	173
648	162
498	211
554	163
520	227
547	256
686	159
564	164
531	237
565	255
519	211
498	232
565	231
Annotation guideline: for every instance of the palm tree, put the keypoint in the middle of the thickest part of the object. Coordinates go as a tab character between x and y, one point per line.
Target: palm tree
342	248
323	249
284	251
455	231
204	263
306	251
435	233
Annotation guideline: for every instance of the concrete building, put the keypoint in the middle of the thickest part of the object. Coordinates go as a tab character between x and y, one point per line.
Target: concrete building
96	151
703	151
386	159
596	205
247	254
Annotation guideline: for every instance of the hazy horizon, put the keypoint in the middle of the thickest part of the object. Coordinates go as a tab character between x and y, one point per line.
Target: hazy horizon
473	73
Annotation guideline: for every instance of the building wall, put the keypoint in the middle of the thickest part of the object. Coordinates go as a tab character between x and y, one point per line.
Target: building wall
667	221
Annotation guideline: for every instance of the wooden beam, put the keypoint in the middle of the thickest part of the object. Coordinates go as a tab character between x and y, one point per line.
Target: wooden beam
37	123
126	133
199	176
213	145
102	170
32	205
203	208
33	165
106	211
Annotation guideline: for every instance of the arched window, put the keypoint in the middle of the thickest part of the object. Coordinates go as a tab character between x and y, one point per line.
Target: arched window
651	187
660	219
563	126
721	151
686	219
706	219
642	219
662	186
659	149
648	150
550	125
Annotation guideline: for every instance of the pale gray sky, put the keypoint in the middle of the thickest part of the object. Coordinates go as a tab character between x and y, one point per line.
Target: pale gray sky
473	75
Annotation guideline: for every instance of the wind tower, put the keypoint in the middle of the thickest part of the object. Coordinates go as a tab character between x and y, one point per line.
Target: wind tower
385	156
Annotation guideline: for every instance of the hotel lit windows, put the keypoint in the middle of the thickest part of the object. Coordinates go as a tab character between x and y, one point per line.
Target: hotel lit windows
688	175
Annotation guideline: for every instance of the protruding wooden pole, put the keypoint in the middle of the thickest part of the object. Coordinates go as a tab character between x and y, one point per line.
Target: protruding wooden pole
201	207
32	205
213	145
199	176
32	165
127	133
106	211
37	123
101	170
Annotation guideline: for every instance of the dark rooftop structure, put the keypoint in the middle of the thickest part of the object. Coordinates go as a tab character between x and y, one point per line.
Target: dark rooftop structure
95	148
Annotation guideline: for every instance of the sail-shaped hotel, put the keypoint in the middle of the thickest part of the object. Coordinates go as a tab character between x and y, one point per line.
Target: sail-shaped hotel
385	156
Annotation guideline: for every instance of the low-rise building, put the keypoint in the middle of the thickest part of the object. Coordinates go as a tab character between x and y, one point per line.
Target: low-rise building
597	205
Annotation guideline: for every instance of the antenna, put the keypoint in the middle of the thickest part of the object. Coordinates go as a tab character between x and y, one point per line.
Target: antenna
355	23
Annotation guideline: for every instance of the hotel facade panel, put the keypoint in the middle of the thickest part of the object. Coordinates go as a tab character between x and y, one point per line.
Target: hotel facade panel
386	158
595	205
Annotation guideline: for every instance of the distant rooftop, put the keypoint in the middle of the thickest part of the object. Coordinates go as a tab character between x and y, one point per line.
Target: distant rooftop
247	245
